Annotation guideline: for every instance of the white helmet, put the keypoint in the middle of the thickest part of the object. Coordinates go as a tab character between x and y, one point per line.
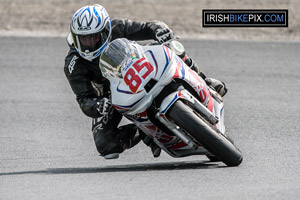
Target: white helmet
91	31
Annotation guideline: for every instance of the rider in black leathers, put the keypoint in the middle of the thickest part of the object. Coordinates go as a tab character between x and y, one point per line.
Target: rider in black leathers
92	90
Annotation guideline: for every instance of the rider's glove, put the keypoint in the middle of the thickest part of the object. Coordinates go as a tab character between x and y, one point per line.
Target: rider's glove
164	35
219	86
103	106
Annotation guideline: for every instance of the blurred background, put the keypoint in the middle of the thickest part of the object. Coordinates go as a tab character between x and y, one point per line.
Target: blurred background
52	17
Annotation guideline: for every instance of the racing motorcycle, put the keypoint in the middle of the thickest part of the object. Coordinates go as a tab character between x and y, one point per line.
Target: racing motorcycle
153	88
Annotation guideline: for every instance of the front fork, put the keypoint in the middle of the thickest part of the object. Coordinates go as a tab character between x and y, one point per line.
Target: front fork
198	106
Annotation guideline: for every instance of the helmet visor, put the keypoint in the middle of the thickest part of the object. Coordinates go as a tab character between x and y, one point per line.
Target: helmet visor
92	42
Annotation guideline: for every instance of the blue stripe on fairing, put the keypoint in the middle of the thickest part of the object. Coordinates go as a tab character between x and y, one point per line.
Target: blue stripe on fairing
134	119
170	104
154	60
127	92
221	112
182	71
166	63
180	62
123	91
221	127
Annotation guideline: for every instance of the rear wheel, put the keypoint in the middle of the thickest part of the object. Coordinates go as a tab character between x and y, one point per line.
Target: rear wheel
205	133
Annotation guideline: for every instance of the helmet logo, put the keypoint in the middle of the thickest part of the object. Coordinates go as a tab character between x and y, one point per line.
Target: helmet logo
84	28
83	21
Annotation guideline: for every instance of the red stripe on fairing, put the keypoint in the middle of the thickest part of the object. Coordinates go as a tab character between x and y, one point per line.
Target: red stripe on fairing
120	108
202	94
178	145
210	104
176	75
161	140
180	95
178	68
152	127
168	53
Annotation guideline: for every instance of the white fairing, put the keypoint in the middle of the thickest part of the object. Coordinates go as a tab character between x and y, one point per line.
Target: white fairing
219	111
132	100
133	103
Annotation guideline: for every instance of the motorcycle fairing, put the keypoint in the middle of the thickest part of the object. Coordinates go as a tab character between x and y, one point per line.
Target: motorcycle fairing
133	105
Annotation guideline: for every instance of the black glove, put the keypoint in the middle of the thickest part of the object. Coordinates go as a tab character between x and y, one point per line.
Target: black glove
103	106
164	35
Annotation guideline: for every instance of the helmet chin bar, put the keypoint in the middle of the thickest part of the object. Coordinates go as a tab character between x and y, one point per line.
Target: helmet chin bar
87	56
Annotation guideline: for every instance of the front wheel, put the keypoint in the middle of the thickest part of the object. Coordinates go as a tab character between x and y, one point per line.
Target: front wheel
205	133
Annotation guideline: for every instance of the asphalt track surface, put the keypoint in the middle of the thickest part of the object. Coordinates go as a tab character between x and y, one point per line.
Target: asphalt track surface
47	150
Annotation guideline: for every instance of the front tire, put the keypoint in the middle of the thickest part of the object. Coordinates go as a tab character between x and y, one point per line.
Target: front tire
205	133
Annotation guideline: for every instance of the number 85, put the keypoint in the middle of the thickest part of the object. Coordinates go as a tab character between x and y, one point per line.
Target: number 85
133	79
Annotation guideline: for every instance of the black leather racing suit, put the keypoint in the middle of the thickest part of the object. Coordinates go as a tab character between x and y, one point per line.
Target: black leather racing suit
89	87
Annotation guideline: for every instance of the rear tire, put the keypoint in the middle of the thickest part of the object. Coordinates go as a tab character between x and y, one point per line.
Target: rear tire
205	133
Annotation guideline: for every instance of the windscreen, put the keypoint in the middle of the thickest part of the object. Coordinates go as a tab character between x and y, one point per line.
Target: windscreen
116	54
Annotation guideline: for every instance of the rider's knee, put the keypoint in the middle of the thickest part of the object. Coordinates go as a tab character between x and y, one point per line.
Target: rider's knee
106	143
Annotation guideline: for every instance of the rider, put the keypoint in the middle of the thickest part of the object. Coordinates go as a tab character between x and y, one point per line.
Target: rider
91	29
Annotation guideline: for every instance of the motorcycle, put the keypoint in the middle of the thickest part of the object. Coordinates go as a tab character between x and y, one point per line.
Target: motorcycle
153	88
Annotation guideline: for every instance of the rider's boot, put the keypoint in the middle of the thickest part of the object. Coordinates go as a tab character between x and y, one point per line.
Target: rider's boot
129	136
132	138
155	149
